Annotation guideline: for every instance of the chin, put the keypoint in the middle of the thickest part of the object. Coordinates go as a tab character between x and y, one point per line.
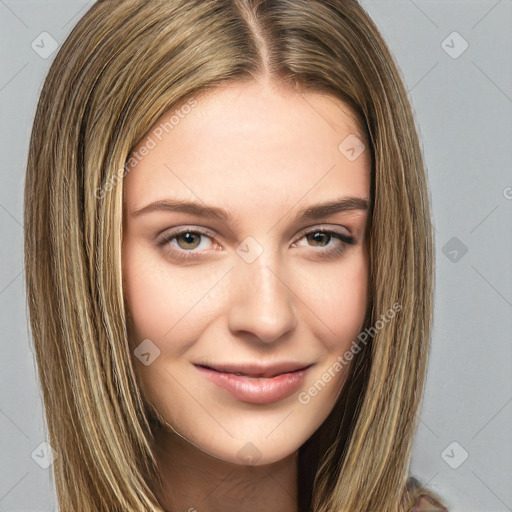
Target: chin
249	453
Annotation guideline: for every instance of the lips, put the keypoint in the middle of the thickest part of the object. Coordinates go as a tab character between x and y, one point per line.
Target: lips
257	371
256	384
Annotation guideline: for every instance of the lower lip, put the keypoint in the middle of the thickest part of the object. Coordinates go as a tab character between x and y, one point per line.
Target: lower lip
257	391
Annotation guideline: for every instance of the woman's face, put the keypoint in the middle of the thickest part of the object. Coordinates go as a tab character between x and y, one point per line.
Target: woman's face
252	286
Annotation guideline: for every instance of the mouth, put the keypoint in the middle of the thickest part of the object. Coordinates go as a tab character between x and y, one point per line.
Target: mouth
257	384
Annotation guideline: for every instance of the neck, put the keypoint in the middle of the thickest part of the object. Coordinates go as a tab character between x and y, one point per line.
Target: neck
194	481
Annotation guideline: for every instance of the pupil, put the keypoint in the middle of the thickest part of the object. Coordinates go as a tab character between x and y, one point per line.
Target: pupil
318	234
188	238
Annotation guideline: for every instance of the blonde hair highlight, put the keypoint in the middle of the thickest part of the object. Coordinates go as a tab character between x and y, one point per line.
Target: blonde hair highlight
124	65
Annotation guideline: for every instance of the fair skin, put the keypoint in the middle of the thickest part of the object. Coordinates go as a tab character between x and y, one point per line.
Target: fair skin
263	154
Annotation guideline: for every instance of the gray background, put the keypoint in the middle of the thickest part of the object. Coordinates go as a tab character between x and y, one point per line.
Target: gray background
462	99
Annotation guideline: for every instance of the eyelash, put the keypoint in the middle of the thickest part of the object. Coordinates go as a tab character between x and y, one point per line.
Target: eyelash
165	240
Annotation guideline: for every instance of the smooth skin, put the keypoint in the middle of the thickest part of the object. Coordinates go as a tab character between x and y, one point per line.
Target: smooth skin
262	153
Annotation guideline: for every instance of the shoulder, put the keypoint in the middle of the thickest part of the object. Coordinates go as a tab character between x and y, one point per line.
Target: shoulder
421	499
425	503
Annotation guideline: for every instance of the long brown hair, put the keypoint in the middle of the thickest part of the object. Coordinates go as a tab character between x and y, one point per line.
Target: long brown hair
125	64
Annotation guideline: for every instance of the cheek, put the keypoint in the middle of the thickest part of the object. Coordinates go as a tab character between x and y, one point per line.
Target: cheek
161	299
338	296
148	295
340	305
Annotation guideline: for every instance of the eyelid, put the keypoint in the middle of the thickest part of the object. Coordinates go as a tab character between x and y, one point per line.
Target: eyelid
172	232
324	227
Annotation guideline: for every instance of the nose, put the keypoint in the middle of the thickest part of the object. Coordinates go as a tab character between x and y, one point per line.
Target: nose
262	302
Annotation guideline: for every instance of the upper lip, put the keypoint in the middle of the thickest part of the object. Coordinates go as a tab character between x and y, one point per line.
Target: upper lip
257	370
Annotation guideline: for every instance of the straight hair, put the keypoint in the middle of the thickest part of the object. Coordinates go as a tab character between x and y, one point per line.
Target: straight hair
125	64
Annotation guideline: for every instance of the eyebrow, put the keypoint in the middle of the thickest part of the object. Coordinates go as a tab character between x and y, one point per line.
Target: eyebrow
309	213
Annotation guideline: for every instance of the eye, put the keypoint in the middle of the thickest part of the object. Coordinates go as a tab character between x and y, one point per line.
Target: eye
187	243
322	237
184	242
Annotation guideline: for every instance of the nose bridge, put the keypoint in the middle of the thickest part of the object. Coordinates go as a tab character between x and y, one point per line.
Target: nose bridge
263	303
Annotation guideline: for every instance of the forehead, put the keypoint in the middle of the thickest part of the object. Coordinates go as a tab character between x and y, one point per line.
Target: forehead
248	143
